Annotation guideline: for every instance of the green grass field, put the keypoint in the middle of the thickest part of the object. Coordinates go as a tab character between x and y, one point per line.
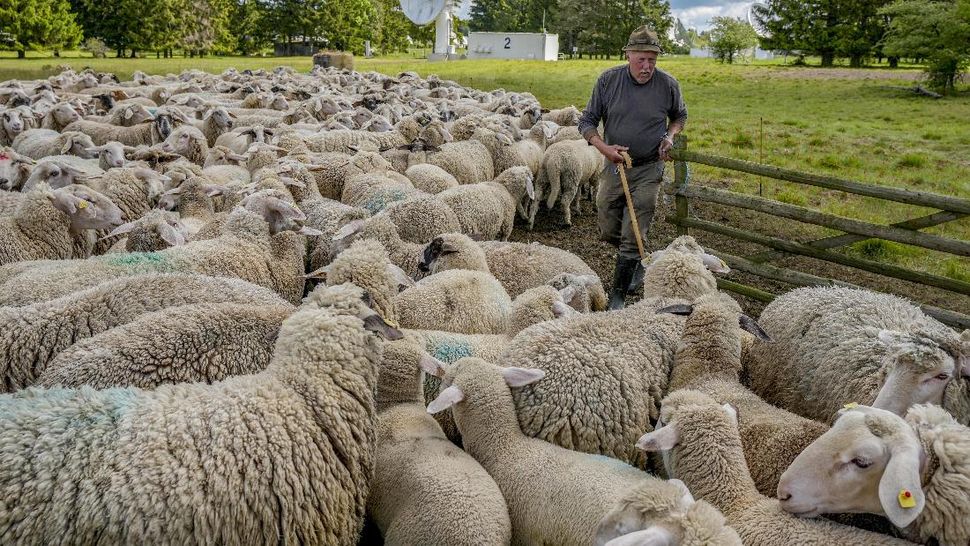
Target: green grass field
850	123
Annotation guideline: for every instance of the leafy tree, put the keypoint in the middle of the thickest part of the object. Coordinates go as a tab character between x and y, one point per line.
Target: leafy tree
249	25
935	30
392	27
730	36
603	26
35	24
346	24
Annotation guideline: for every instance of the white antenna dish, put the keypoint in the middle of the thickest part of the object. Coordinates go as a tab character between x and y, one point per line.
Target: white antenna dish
753	20
422	12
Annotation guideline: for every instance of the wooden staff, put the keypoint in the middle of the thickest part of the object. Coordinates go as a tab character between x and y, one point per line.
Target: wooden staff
628	163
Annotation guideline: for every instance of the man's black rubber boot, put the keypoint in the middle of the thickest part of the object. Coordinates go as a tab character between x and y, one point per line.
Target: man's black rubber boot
622	275
637	281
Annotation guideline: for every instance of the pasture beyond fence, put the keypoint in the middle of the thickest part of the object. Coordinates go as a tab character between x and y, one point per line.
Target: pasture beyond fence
907	232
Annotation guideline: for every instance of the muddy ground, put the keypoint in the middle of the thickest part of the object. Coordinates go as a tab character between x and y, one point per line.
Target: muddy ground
582	239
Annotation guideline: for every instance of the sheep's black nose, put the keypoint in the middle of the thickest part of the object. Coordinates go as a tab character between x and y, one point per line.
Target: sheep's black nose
784	496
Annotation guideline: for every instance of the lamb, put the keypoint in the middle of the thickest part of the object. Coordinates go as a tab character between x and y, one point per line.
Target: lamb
838	345
61	170
701	445
366	264
204	342
469	302
554	495
567	167
33	335
188	455
48	223
518	266
246	250
425	489
430	178
488	208
709	360
242	138
915	470
14	121
215	122
111	154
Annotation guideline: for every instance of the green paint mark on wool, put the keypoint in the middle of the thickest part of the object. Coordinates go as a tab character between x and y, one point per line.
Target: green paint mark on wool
378	202
153	260
450	350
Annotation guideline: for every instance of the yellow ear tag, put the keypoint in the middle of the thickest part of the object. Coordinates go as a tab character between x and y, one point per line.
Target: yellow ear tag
82	205
906	499
851	405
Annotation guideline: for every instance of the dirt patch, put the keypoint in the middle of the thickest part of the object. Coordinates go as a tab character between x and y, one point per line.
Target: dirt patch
583	240
810	73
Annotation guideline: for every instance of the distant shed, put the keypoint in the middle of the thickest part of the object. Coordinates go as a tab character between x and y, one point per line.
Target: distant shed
513	45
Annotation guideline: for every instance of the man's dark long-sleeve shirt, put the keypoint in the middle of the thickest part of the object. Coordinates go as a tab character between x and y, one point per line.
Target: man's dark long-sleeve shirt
634	114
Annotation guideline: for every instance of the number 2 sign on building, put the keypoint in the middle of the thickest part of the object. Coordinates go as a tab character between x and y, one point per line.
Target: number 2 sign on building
508	42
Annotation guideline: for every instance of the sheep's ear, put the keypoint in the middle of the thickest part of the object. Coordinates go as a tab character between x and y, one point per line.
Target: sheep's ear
400	276
677	309
731	411
431	365
170	235
651	536
714	264
375	323
900	489
751	326
560	310
68	144
446	399
319	273
350	228
288	181
120	230
309	231
520	377
95	150
213	190
66	202
661	439
686	498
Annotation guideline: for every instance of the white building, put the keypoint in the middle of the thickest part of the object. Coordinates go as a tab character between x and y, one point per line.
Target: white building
513	45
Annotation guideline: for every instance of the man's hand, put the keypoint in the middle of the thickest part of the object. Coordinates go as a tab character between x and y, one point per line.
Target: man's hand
666	143
612	152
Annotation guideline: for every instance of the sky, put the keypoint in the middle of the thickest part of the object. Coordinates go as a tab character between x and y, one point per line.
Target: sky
693	13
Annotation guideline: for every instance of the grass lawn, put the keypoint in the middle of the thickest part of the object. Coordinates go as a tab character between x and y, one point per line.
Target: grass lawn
843	122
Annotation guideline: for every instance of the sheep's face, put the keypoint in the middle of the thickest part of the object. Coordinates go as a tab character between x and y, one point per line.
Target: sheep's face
868	462
918	372
13	122
221	118
56	175
87	208
112	155
14	170
64	114
163	124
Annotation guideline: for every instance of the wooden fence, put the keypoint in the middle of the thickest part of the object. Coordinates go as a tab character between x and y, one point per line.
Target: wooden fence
950	208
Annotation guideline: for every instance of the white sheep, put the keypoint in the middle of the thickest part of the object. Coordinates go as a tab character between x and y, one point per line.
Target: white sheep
48	224
425	489
554	495
469	302
708	360
430	178
488	208
566	167
32	335
118	462
915	471
701	446
15	169
838	345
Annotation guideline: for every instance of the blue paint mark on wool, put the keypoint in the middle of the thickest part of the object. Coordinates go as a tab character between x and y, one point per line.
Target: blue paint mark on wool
450	350
378	202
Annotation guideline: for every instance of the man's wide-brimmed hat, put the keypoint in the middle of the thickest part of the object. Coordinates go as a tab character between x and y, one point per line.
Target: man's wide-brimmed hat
643	39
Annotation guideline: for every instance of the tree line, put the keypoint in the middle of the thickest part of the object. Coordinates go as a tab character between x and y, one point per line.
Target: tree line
202	27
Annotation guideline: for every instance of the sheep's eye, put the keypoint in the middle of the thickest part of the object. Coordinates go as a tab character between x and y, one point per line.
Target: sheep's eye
942	376
862	462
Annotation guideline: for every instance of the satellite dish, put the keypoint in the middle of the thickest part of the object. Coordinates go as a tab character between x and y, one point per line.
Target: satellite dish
753	20
422	12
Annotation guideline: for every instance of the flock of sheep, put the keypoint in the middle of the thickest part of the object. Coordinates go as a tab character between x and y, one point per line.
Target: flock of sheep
230	303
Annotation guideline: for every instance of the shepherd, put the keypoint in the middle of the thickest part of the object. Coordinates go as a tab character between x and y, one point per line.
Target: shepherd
642	109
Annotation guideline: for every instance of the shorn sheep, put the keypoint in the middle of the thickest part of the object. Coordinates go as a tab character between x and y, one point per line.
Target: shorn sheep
914	470
282	456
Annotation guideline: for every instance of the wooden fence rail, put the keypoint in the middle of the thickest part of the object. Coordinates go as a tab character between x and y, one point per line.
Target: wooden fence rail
906	232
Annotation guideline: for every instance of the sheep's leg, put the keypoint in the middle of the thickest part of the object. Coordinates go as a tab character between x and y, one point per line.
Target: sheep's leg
566	202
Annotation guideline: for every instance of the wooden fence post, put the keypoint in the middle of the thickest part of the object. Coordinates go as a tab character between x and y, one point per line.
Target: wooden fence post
681	179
